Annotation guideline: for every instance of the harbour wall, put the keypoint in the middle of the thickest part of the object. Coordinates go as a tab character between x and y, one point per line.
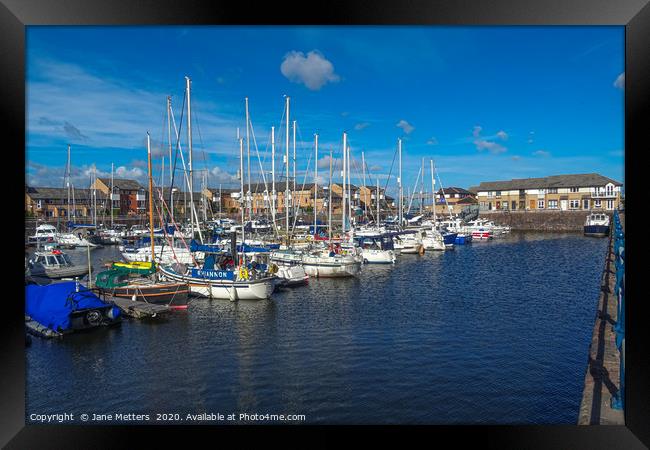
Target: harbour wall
602	378
539	220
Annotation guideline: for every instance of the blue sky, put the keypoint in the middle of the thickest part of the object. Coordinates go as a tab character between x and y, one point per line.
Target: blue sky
486	103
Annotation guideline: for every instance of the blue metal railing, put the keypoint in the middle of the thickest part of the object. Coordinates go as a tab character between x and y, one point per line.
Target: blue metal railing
618	401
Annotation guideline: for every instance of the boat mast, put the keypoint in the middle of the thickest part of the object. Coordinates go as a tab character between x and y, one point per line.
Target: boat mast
94	195
189	143
150	198
315	182
171	166
329	203
248	153
349	176
286	193
345	145
67	183
433	194
399	181
294	157
363	170
378	197
273	192
422	188
241	192
112	195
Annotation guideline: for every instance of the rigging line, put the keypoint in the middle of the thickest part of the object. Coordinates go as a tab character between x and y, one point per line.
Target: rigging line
417	179
178	143
390	172
304	181
258	157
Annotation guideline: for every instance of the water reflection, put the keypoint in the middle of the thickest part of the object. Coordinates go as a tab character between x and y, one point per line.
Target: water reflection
492	332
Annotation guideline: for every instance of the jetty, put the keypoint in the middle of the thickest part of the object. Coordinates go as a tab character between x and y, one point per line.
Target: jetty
603	395
138	309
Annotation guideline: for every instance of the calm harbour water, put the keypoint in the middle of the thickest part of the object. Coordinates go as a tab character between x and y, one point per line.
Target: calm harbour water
491	333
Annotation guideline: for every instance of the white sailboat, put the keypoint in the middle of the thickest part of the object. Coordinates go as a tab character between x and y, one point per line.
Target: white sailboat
333	261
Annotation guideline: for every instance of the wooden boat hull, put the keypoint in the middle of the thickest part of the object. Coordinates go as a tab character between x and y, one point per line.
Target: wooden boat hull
173	294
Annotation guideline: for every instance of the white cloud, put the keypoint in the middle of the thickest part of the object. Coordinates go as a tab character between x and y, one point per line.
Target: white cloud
361	126
502	135
405	126
492	147
313	70
620	81
133	173
484	144
542	153
432	141
218	175
67	103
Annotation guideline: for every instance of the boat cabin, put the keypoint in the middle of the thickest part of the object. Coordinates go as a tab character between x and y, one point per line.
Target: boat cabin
55	258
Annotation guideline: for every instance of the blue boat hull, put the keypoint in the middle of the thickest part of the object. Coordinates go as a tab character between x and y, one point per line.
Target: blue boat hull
449	238
596	230
462	240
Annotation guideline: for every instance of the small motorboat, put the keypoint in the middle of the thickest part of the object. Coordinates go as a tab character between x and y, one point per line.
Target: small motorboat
597	225
43	234
59	308
55	264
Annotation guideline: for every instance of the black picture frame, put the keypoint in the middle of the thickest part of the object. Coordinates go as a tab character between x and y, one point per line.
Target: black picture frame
633	14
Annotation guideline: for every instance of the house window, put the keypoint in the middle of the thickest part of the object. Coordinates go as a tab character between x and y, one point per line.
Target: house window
552	204
522	205
540	204
504	205
574	204
552	191
514	204
609	190
610	204
585	204
498	193
597	204
574	189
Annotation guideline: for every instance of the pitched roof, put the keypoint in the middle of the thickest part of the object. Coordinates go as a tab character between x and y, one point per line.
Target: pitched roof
554	181
122	183
48	193
454	190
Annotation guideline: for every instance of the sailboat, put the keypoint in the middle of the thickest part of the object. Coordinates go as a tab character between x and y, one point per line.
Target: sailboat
334	260
139	281
224	274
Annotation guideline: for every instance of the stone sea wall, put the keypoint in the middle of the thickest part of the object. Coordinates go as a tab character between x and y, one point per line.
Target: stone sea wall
539	220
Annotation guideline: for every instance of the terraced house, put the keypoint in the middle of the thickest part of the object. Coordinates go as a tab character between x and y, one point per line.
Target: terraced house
589	191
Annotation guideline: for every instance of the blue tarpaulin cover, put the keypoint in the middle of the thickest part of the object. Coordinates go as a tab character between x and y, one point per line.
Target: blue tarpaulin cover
51	305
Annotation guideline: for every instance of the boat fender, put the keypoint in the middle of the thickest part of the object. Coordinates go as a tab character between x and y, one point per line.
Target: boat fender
113	313
273	268
243	273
